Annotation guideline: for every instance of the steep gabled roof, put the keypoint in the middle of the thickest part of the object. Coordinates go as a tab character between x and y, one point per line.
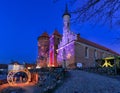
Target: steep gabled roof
45	34
82	40
56	33
66	12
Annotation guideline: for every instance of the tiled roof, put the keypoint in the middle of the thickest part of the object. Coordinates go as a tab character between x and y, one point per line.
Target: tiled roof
45	34
56	33
82	40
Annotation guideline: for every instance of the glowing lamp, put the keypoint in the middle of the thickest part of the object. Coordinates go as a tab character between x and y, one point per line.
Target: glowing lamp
37	67
28	67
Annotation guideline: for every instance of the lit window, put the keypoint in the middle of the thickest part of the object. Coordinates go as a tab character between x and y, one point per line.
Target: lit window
38	67
29	67
68	56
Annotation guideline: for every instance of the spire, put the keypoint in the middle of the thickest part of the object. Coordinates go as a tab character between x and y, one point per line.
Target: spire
66	8
56	32
66	11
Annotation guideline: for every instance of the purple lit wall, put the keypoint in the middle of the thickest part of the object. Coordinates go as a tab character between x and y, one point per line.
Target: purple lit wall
68	56
66	47
54	41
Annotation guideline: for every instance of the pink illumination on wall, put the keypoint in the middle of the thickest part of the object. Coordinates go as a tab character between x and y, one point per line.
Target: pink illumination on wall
51	58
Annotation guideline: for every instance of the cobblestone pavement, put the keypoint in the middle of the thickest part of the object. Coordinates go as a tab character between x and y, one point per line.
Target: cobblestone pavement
85	82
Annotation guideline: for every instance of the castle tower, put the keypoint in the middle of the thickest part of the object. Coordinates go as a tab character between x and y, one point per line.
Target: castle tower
65	49
54	41
43	50
66	19
66	24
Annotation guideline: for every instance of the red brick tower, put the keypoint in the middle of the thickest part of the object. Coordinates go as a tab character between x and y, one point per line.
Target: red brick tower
54	41
43	50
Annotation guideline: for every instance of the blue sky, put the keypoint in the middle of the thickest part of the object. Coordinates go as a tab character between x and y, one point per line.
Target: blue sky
22	21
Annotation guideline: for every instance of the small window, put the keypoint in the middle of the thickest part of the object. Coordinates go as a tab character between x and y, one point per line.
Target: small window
58	39
103	54
56	46
68	40
109	55
95	53
86	52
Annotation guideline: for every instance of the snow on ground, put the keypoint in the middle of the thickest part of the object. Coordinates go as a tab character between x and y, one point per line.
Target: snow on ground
85	82
79	82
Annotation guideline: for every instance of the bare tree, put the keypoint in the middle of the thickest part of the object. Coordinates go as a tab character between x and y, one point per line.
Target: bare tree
102	11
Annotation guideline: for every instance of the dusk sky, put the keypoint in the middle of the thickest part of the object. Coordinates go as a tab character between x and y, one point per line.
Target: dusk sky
22	21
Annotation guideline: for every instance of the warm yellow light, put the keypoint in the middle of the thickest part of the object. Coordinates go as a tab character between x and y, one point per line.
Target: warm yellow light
69	55
15	66
57	51
28	67
107	64
10	76
53	65
37	67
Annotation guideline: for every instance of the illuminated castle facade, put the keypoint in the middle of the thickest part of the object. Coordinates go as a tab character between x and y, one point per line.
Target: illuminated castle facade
47	49
69	50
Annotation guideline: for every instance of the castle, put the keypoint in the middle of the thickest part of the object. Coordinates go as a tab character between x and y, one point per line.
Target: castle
70	49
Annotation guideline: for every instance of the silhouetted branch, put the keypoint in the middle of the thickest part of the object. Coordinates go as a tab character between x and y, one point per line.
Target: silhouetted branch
105	11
